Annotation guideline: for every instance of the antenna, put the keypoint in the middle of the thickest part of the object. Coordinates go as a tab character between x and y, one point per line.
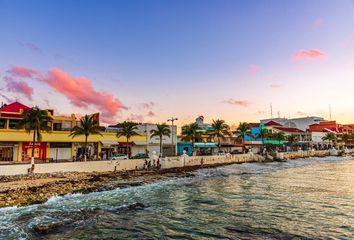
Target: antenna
271	110
278	114
330	112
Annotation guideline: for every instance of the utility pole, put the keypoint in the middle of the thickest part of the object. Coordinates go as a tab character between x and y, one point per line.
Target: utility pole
271	110
172	120
330	112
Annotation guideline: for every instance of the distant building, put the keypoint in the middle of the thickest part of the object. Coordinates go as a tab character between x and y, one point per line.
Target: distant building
299	123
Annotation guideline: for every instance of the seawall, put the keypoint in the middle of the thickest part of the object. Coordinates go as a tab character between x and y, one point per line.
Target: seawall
126	165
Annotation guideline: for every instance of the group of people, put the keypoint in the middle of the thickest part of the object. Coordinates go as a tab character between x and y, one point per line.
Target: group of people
152	164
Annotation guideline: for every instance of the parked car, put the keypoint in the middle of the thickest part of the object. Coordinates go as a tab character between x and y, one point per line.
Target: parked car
140	156
118	156
236	151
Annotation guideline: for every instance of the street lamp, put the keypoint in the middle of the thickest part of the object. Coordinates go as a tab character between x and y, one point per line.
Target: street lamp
172	120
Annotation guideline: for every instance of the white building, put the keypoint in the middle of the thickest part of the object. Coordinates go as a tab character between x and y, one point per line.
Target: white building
299	123
153	143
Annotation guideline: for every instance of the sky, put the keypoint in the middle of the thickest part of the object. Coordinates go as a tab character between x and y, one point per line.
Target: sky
147	61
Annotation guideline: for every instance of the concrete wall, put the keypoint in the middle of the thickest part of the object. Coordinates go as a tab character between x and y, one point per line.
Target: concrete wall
120	165
91	166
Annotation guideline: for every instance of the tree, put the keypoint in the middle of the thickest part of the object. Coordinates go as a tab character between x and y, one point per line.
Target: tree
160	131
243	129
292	139
263	133
191	133
345	137
36	120
278	136
331	138
127	129
220	130
87	127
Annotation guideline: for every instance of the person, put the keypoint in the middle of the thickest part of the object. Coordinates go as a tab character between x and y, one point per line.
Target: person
149	164
145	165
158	164
154	164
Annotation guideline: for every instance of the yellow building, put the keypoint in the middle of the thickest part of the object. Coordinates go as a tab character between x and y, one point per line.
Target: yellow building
16	145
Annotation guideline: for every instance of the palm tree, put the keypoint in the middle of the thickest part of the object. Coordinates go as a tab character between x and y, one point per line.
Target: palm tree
345	137
330	137
220	130
263	133
278	136
127	129
87	127
36	120
292	139
191	133
243	129
160	131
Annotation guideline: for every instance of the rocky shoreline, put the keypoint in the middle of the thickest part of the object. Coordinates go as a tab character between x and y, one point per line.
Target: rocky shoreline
23	190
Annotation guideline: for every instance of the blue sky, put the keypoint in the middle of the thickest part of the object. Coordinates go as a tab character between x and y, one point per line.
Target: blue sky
221	59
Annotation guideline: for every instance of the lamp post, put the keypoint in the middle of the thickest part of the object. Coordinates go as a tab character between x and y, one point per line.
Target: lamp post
172	120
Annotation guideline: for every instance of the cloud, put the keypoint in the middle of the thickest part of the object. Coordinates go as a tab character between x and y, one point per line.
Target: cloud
242	103
253	69
78	90
310	54
275	85
18	87
151	114
81	93
261	112
148	105
347	43
30	46
136	118
318	22
18	71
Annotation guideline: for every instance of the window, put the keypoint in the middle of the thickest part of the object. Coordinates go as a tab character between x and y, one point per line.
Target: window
2	123
13	124
57	126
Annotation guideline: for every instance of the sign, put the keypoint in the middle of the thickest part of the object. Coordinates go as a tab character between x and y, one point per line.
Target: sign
40	150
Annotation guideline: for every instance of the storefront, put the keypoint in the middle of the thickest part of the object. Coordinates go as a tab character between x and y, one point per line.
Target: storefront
108	149
92	151
40	151
60	151
8	151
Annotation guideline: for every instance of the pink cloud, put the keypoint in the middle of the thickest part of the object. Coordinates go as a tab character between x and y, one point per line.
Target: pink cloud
81	93
346	43
310	54
242	103
151	114
253	69
18	87
318	22
275	85
18	71
79	90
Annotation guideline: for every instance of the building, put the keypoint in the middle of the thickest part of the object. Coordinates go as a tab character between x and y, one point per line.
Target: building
16	144
149	144
319	130
299	123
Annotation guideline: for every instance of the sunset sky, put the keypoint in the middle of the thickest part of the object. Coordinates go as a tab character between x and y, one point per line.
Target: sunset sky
149	60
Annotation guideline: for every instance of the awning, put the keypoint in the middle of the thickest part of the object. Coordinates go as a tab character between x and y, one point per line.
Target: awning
139	143
125	144
109	143
205	145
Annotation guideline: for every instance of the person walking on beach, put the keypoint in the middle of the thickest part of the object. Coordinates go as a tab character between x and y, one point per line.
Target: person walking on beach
158	164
